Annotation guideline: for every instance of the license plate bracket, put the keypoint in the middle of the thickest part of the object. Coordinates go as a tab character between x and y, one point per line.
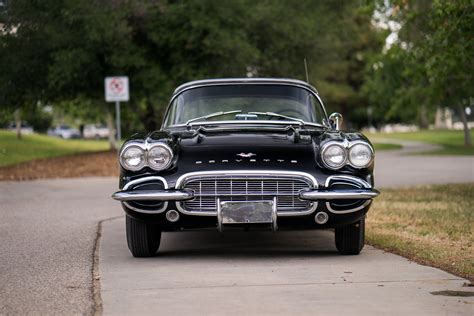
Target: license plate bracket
246	212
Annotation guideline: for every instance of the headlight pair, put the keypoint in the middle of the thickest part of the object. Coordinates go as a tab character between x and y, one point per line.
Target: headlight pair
335	155
135	156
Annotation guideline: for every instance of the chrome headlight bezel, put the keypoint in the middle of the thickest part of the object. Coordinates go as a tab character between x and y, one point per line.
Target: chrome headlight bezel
152	164
145	149
328	146
369	149
346	147
123	162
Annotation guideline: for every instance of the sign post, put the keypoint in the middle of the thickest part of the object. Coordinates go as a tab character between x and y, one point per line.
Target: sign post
117	90
117	121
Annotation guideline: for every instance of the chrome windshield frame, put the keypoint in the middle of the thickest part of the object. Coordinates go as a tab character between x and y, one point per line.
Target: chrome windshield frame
226	82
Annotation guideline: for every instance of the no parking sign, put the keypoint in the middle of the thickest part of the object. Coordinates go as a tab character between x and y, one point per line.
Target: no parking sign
116	89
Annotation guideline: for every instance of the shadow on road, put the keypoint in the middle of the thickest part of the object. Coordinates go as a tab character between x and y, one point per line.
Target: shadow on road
249	245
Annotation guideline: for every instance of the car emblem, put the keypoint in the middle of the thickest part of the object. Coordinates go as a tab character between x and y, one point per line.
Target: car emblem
248	155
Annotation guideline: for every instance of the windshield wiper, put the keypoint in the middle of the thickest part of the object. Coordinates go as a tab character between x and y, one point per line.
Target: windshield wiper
205	117
280	115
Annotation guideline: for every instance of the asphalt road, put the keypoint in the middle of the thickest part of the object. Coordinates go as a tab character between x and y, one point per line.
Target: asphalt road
48	231
402	168
47	234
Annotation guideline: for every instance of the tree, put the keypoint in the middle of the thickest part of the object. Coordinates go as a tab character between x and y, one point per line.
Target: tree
160	44
23	64
448	52
430	65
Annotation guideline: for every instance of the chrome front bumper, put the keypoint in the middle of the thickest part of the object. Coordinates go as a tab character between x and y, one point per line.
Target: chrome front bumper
314	194
185	195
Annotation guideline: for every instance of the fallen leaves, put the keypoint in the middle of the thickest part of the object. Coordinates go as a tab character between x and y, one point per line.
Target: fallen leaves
97	164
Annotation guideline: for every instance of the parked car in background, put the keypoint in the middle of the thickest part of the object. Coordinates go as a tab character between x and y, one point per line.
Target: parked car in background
248	154
25	128
64	131
95	131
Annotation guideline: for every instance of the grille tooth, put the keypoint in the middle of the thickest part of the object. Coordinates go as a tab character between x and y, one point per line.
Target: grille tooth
244	188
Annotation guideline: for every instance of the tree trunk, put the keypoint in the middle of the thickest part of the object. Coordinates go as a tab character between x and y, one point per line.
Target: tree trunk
110	126
17	115
424	123
467	133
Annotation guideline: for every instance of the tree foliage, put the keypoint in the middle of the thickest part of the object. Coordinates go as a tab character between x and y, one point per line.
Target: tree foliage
63	49
431	65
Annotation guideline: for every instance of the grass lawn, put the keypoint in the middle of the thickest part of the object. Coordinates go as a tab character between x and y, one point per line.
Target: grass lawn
429	224
452	141
386	146
13	151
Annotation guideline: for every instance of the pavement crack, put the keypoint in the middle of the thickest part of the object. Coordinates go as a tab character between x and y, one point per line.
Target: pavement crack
95	274
295	284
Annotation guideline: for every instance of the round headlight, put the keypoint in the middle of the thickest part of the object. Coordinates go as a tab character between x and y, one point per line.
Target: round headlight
360	155
159	157
334	156
132	158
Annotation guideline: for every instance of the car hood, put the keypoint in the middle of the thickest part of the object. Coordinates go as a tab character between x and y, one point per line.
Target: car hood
243	148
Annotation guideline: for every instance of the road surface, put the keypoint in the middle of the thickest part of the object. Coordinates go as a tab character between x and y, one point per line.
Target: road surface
402	168
262	273
48	231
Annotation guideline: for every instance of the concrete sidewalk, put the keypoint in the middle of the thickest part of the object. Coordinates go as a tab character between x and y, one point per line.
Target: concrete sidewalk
262	273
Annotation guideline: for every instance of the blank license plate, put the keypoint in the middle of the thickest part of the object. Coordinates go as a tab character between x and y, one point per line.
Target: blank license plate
246	212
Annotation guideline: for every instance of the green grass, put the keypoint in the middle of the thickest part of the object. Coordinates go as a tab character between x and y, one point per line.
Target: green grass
452	141
429	224
386	146
30	147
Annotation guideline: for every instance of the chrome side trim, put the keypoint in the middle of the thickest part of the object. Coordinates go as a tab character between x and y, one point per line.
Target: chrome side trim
141	180
362	183
160	195
271	173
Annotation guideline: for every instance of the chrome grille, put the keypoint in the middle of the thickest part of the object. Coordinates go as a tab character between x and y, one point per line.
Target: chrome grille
247	188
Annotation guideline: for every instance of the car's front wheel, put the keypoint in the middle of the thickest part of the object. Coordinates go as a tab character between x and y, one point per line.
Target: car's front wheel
143	239
350	239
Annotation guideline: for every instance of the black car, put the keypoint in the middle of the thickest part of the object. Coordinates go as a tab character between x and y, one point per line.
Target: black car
248	154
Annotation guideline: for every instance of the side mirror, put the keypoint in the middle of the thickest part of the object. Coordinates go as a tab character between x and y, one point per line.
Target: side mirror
335	119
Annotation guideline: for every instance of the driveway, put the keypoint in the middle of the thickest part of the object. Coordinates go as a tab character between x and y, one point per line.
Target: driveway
260	273
396	168
48	232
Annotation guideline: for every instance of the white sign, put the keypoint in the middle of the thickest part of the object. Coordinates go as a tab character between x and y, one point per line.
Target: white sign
116	89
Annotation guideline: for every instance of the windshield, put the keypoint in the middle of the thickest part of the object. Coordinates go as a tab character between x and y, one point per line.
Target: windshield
245	102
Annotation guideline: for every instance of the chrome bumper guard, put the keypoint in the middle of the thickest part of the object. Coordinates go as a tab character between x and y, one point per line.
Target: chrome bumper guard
156	195
315	195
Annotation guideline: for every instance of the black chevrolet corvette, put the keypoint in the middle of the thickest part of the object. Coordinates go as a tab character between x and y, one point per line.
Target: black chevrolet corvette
248	154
